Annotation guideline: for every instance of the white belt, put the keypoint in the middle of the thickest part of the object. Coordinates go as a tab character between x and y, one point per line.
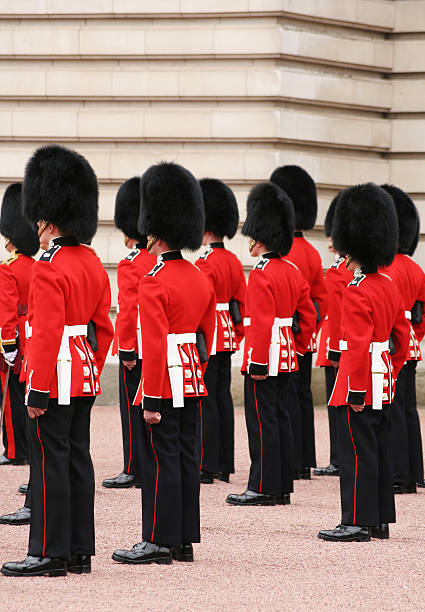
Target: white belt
175	366
408	315
72	330
64	361
274	351
223	306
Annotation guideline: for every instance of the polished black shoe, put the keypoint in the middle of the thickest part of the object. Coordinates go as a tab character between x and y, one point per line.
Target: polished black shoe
224	476
144	552
251	498
381	532
421	484
5	461
296	474
345	533
305	473
122	481
404	488
330	470
183	552
20	517
23	489
35	566
283	500
80	564
206	477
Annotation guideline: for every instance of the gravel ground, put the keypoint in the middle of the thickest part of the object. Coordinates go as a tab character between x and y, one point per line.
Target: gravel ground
251	558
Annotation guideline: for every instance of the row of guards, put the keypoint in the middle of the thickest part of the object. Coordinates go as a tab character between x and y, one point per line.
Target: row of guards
178	325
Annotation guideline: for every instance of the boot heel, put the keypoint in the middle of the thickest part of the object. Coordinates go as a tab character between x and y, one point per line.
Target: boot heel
57	572
165	561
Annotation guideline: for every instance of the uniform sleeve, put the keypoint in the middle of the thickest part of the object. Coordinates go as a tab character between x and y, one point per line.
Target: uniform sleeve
209	271
358	326
400	334
153	303
335	284
49	294
104	327
9	299
262	314
306	317
239	294
207	325
420	327
126	326
319	294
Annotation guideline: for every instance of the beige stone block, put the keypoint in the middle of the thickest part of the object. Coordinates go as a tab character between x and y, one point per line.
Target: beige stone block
45	40
11	7
365	171
23	83
117	248
381	134
38	123
265	82
57	7
214	6
110	123
408	95
225	163
242	123
212	83
134	161
136	6
13	160
6	41
260	163
408	174
408	135
376	13
81	82
333	170
330	9
179	40
384	54
409	55
265	5
107	195
145	83
6	122
333	89
372	93
99	160
112	41
253	39
177	123
409	16
100	244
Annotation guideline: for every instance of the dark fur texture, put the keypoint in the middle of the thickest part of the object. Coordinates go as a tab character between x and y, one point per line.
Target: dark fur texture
60	186
301	188
14	225
330	216
270	217
408	219
127	209
221	208
365	226
172	207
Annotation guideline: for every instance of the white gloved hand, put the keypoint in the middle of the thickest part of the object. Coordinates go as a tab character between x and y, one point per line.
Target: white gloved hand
10	357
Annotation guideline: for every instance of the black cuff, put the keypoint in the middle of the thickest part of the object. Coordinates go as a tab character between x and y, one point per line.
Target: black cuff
38	399
9	348
334	355
152	404
127	355
258	369
356	398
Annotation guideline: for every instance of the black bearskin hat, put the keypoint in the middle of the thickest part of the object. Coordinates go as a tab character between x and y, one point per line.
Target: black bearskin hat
301	188
330	216
221	208
127	209
14	225
365	226
171	206
60	187
270	217
408	219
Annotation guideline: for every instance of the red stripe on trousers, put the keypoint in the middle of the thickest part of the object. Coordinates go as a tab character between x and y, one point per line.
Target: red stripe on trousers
261	441
202	444
129	419
44	489
156	484
355	470
8	422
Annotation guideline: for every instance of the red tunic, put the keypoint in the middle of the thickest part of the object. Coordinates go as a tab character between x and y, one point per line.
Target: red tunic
308	260
410	280
226	274
15	274
174	298
276	289
372	310
69	286
130	270
337	278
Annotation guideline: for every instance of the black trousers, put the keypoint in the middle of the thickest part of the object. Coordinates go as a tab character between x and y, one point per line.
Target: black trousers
62	481
406	439
170	475
217	422
366	478
14	424
330	375
269	435
301	411
130	416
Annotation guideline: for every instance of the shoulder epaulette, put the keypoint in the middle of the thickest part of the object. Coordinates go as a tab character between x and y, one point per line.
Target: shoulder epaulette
131	256
206	253
357	280
261	264
50	253
157	267
338	262
11	259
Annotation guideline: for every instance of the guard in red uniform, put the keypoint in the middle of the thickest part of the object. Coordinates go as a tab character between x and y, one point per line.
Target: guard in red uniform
276	290
177	316
337	278
410	279
300	187
226	274
68	333
22	244
127	328
365	231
